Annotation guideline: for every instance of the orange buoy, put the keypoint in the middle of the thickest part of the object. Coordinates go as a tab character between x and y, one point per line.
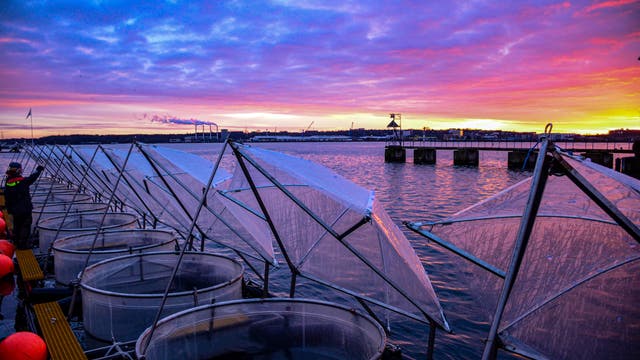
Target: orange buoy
7	284
7	248
23	345
6	266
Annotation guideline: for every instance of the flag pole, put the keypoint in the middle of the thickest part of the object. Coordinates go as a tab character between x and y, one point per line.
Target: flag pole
30	115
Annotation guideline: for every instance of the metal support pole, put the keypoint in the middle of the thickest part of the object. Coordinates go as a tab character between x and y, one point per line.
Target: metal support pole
292	285
432	340
126	180
101	184
46	199
331	231
175	269
73	198
263	208
211	211
106	211
595	195
265	288
154	166
540	176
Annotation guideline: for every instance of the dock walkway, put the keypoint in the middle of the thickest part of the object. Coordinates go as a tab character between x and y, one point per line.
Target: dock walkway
28	264
61	342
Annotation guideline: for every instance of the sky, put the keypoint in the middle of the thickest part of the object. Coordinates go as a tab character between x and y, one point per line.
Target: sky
125	67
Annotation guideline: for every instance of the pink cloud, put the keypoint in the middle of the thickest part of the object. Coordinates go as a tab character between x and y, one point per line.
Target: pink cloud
610	4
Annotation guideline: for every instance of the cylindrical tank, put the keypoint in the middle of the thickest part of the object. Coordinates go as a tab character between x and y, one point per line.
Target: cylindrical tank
60	209
47	183
50	199
274	328
82	223
121	296
37	189
70	253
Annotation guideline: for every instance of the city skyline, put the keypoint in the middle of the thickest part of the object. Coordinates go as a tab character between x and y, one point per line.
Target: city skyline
120	67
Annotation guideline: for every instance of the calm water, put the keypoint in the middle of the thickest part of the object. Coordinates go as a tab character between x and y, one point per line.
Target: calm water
410	193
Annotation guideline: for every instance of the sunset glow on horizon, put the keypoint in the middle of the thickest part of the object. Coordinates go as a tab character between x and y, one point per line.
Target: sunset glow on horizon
121	67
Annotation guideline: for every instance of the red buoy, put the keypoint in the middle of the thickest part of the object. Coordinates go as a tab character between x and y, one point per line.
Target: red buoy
6	266
7	248
23	345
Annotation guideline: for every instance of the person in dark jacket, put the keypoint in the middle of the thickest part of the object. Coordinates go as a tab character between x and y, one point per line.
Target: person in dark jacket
18	203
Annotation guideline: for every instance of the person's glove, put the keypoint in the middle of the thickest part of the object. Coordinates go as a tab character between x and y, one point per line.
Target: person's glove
40	168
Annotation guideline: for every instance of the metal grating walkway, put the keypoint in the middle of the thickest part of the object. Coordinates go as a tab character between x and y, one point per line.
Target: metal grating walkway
60	339
29	267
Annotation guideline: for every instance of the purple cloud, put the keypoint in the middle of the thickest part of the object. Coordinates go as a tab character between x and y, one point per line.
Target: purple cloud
359	56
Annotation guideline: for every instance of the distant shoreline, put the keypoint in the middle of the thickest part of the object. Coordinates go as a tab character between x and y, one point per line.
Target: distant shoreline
622	135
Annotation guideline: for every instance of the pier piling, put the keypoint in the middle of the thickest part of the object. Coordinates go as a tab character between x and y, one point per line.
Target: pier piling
469	157
466	153
629	165
424	156
395	153
516	159
603	158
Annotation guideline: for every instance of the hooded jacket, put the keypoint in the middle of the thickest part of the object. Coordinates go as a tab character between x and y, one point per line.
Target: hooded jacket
16	193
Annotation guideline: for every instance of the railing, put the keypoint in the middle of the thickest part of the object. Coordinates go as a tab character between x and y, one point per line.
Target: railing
616	147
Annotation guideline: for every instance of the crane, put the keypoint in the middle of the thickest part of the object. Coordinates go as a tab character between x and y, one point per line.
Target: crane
308	127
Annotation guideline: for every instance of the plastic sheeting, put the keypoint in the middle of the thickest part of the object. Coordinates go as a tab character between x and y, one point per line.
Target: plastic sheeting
143	189
319	177
193	165
333	231
187	176
165	186
577	290
339	237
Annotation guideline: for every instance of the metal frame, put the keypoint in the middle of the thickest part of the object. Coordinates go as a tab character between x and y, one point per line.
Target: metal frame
182	252
210	210
456	250
549	157
241	156
104	215
133	189
540	175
